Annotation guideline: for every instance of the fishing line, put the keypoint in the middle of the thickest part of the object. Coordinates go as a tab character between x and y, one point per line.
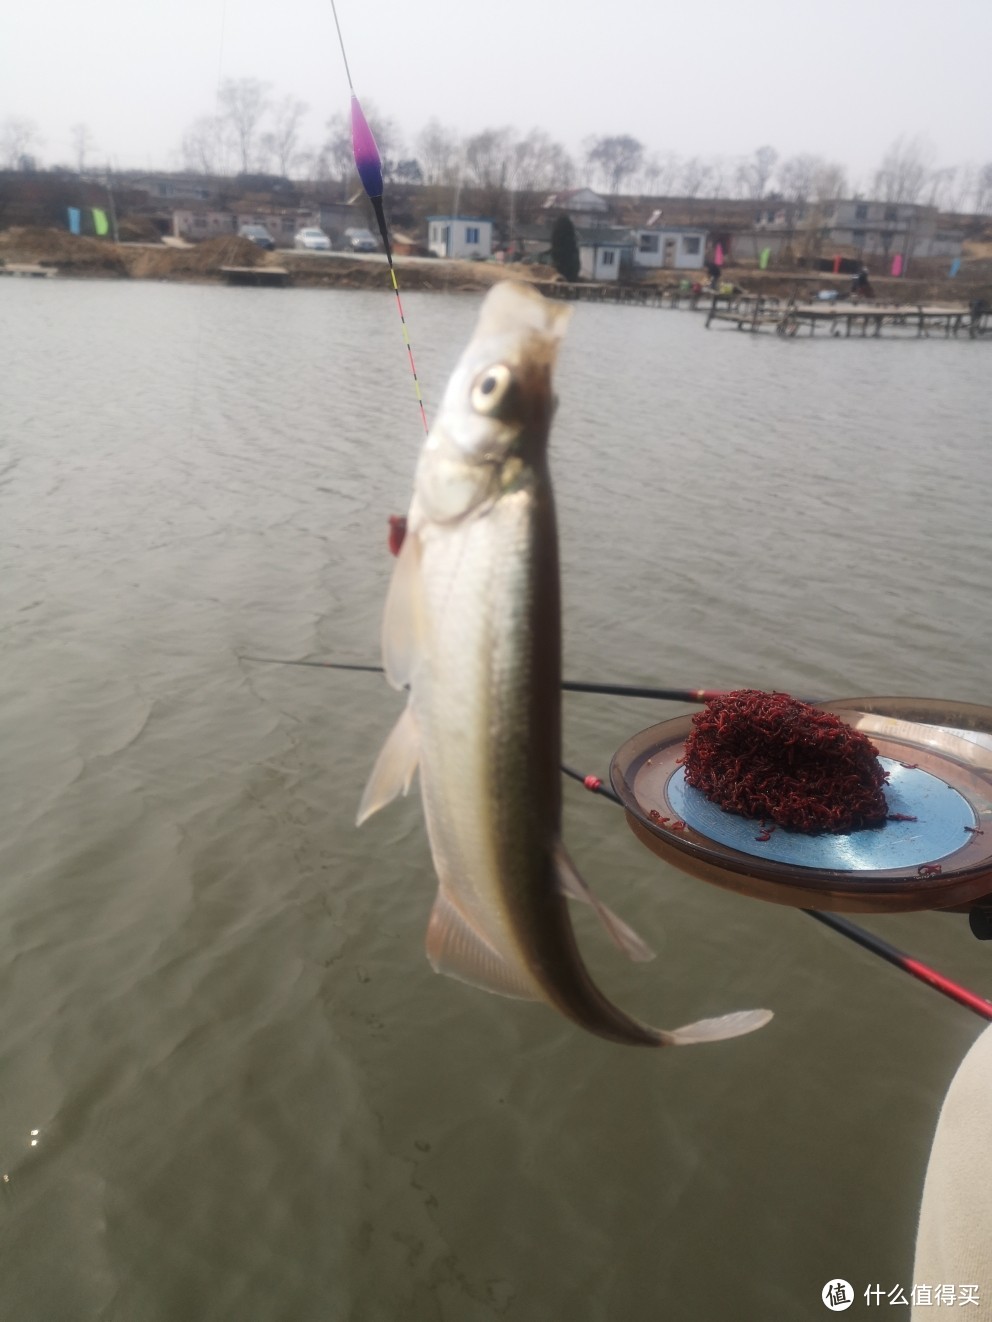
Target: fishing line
344	57
368	163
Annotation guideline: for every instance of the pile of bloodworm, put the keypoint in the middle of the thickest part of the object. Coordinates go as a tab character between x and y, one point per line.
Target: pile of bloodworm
772	757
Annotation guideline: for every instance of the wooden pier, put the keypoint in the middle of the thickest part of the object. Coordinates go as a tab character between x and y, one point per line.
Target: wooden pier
787	317
637	295
271	276
27	269
862	320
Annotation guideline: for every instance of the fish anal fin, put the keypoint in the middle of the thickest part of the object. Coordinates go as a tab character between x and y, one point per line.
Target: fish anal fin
455	948
717	1030
394	767
402	620
570	883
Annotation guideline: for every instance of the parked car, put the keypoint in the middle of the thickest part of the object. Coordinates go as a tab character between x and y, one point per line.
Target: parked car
258	234
313	239
360	240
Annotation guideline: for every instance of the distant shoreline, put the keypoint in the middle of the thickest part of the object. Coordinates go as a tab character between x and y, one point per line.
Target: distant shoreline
88	258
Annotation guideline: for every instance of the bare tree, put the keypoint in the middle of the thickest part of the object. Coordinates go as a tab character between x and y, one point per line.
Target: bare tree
651	172
669	170
489	158
983	190
615	158
82	144
243	102
755	175
718	171
660	173
283	140
336	158
19	140
695	173
942	187
408	171
540	163
905	171
438	152
797	177
829	182
205	145
958	186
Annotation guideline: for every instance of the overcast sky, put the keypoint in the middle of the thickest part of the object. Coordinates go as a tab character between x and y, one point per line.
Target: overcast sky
842	79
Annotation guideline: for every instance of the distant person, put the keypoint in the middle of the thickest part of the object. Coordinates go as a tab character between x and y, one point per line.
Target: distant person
861	285
715	270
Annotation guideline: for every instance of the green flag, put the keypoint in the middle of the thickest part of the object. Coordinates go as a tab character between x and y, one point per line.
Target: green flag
100	221
763	259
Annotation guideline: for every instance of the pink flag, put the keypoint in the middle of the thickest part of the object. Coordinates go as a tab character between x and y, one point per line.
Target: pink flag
897	264
718	254
836	266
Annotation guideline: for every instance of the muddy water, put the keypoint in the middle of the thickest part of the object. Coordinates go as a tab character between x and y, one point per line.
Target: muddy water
252	1096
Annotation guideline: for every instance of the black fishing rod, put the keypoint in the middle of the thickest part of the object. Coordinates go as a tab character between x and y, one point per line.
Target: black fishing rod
867	940
568	685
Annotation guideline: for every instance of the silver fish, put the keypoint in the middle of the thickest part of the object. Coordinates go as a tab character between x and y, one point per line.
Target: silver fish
472	627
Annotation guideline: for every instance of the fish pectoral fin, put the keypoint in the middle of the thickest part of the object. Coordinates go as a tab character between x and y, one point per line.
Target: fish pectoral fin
456	949
394	767
716	1030
572	885
403	617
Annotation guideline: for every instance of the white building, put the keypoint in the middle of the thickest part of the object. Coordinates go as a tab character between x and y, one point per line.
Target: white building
459	236
671	247
878	229
602	254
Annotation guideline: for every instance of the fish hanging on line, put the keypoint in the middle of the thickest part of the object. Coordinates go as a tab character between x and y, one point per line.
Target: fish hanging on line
472	627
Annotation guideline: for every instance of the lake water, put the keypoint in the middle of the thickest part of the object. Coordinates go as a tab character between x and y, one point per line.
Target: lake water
253	1099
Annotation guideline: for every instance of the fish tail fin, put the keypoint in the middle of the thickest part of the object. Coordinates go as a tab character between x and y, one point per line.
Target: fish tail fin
715	1030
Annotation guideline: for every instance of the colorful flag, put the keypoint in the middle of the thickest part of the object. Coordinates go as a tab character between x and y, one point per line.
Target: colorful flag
718	254
100	221
955	267
837	261
763	259
897	264
74	220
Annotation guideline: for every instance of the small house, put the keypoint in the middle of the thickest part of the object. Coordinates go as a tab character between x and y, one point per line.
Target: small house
195	223
459	236
671	247
604	253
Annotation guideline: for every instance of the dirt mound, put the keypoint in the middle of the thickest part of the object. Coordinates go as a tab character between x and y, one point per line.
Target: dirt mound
53	247
137	229
202	259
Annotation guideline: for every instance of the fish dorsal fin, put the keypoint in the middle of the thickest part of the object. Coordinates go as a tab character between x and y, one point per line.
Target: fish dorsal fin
570	883
394	767
403	618
455	948
716	1030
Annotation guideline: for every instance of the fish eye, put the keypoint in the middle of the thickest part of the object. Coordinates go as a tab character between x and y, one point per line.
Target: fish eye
491	388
